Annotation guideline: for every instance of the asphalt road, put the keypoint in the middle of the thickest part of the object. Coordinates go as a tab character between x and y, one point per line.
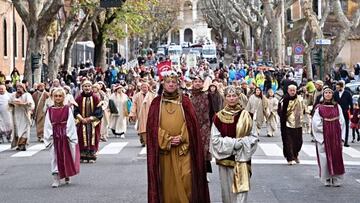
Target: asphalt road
120	176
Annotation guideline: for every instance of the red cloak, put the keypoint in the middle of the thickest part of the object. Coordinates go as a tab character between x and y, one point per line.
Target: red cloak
95	111
200	190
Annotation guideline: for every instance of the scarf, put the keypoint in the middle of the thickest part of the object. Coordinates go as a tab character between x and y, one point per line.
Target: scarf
228	113
171	96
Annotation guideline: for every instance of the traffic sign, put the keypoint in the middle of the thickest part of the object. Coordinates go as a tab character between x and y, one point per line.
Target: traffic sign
322	41
298	49
298	59
289	51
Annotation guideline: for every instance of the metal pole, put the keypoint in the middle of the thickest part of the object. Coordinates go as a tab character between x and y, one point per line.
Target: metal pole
321	63
126	46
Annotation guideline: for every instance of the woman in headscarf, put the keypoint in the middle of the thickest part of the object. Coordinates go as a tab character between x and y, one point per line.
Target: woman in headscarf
258	107
216	100
118	118
328	127
272	120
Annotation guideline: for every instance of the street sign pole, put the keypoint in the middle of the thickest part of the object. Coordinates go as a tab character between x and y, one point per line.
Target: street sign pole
321	63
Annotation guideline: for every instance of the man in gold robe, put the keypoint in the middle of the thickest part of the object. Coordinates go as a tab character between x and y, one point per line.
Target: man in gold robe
176	167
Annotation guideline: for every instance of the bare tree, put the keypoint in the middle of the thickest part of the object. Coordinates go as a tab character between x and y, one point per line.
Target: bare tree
346	25
37	17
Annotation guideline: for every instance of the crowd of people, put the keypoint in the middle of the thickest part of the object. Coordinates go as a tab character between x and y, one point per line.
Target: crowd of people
185	116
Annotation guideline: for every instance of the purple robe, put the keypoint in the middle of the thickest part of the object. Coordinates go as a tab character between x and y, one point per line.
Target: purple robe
67	166
332	139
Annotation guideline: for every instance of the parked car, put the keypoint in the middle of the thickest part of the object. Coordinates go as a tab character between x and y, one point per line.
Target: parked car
353	87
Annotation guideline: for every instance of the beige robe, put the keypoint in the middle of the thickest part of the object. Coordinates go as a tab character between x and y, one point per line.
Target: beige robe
118	121
259	108
140	109
21	118
272	120
39	115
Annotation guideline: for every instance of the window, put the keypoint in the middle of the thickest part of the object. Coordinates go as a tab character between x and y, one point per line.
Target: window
5	37
23	41
288	15
315	6
15	40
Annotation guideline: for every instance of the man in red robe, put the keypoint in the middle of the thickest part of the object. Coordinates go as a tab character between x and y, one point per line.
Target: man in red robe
176	166
88	114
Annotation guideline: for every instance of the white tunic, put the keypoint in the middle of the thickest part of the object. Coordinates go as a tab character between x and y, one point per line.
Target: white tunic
22	115
5	115
118	121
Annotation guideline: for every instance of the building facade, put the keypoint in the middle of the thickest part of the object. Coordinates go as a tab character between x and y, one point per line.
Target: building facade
13	39
192	28
349	54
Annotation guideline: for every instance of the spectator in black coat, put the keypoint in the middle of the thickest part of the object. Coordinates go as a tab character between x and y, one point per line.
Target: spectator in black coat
344	98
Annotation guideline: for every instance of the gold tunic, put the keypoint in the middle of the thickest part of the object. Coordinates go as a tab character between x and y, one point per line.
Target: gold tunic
175	163
295	113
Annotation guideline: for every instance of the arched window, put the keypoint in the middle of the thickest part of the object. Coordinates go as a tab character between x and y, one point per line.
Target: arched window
188	35
15	40
5	37
23	41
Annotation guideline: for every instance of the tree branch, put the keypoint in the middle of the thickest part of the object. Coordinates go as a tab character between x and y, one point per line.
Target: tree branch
22	11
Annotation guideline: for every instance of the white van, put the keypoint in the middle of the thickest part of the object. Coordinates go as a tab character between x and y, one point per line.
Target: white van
174	53
209	53
175	50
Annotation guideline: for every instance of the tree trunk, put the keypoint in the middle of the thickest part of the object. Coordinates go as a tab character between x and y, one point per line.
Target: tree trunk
34	47
277	42
309	72
55	57
100	51
68	54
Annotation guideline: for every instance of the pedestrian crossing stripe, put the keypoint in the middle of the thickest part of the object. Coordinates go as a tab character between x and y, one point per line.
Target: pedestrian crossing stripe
30	151
271	149
143	151
267	149
309	150
4	147
351	152
113	148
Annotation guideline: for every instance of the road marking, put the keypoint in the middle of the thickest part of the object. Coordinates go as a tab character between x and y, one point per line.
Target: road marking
4	147
302	162
143	151
309	150
357	180
113	148
351	152
30	151
271	149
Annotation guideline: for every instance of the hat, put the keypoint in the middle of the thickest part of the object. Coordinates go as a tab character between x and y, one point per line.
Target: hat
169	74
231	89
319	82
22	86
327	88
67	88
86	82
197	76
117	87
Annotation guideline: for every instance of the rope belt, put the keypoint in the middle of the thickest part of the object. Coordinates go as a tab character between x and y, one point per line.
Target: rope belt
331	119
